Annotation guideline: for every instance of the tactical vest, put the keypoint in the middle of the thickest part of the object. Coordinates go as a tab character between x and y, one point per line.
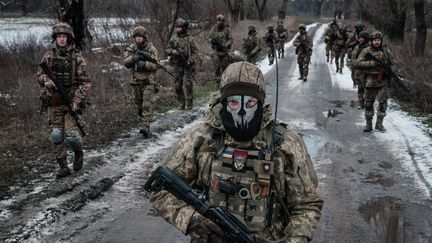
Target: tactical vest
240	181
63	67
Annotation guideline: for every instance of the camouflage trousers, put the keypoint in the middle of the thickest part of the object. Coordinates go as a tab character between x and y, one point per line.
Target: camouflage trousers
63	129
220	63
328	50
359	80
303	60
181	74
380	94
271	54
339	55
144	94
280	48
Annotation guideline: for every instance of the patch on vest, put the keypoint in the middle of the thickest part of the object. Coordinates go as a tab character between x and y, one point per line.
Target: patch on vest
240	159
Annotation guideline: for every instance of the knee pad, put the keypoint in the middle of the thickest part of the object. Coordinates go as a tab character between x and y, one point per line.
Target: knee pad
74	139
57	136
369	105
382	106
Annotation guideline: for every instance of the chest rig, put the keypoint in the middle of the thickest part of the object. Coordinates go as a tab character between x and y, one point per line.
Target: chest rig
63	67
241	181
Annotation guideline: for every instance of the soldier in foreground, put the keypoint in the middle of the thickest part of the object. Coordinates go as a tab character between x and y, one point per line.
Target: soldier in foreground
221	41
183	53
270	40
377	80
143	73
358	73
251	45
68	68
304	45
243	160
282	36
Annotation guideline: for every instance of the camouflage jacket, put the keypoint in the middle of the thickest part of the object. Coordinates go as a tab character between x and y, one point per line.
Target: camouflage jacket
150	68
375	75
186	46
330	35
282	32
303	44
339	43
221	36
352	42
192	159
269	37
251	45
73	60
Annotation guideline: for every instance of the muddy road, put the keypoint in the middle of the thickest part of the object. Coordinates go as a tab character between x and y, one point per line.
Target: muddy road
376	187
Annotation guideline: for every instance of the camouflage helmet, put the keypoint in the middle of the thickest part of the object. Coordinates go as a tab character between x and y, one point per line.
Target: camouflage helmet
376	35
251	27
140	31
220	17
359	25
62	28
364	34
243	78
181	23
302	26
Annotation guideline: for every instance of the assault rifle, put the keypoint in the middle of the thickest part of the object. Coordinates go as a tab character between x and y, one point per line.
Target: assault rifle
388	70
145	56
220	46
165	179
185	62
67	100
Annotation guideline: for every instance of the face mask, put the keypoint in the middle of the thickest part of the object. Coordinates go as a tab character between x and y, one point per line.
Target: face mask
241	117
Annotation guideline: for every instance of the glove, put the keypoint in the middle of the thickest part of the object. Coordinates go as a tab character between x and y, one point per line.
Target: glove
50	85
175	53
136	58
201	227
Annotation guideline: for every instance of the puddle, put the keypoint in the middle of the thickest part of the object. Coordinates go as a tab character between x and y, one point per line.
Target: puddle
383	215
385	165
379	179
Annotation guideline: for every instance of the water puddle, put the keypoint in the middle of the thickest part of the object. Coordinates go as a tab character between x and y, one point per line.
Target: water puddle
379	179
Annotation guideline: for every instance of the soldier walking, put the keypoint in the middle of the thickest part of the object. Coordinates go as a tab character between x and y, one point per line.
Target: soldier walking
270	40
377	80
143	79
221	41
183	53
247	163
68	68
359	74
251	45
339	48
330	36
304	45
351	43
282	35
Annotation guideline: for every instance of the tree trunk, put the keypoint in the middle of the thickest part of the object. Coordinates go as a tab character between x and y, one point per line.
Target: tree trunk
317	4
421	27
396	28
233	9
72	12
24	4
176	15
261	9
282	11
242	10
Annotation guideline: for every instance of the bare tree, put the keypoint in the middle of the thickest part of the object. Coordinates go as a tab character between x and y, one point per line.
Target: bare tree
260	8
234	9
316	9
282	11
420	26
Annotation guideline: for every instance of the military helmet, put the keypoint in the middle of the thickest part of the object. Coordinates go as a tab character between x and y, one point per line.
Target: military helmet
220	17
140	31
181	23
270	27
359	24
302	26
376	35
62	28
243	78
280	22
251	27
364	34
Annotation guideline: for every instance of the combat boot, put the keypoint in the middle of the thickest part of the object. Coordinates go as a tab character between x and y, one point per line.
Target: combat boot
379	124
189	104
79	159
304	79
64	169
145	131
337	69
328	58
368	127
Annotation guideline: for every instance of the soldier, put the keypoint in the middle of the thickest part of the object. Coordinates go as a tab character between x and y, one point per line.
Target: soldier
143	73
68	67
282	35
270	40
339	48
303	44
241	145
358	74
221	40
351	43
252	45
183	53
330	38
377	81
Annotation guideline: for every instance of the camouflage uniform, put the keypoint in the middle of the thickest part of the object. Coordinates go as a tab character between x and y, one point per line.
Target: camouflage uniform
339	48
304	45
270	40
68	67
282	35
183	53
143	79
329	39
351	43
358	74
252	45
221	39
376	83
208	155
